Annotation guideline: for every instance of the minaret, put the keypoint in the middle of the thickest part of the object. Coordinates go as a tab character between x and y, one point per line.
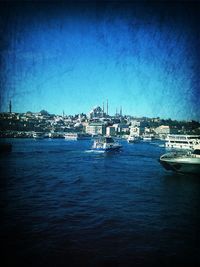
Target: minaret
120	111
107	107
63	113
103	107
116	112
10	107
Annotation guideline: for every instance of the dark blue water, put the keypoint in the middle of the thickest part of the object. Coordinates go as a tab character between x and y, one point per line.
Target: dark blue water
62	205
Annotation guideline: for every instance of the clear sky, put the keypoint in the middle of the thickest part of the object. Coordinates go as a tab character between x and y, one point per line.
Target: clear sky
72	57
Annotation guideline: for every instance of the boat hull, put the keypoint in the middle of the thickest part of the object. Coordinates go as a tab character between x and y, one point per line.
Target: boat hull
190	166
106	144
108	149
133	140
5	147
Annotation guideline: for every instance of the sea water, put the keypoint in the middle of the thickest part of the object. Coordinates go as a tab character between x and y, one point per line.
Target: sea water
63	204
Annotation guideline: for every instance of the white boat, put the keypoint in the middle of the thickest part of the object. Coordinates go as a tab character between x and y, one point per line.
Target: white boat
188	162
56	135
133	139
77	136
38	135
182	141
147	137
106	144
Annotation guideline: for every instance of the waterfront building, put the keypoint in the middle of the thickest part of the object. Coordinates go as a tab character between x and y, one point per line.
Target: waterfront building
136	128
163	130
123	128
78	126
96	128
134	131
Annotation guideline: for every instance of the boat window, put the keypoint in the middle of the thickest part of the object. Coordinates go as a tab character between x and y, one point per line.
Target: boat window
109	140
193	137
179	142
196	152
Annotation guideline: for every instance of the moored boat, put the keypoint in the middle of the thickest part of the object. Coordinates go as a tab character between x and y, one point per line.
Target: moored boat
180	141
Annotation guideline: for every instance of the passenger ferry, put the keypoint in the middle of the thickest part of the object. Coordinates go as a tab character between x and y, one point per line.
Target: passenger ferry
106	144
182	141
77	136
188	162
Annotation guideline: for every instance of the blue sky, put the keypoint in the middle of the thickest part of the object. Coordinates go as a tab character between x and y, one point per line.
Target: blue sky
77	58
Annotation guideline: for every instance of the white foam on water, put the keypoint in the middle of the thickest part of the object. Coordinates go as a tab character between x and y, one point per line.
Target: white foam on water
94	151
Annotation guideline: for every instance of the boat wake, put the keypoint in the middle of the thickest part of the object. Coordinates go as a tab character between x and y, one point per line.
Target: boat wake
94	151
161	145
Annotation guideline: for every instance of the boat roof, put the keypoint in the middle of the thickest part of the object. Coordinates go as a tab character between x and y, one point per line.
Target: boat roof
177	137
106	139
183	135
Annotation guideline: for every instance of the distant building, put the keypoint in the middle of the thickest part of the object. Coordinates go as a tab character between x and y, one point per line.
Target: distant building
96	128
97	112
163	129
78	126
81	117
135	123
137	128
148	130
135	131
122	128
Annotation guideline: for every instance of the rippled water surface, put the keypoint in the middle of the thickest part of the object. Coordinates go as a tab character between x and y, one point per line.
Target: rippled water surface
65	205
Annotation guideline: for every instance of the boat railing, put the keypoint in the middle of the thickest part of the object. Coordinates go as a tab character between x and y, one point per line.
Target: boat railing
177	154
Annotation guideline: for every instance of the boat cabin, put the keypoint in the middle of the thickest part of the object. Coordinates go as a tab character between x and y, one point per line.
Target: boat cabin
196	152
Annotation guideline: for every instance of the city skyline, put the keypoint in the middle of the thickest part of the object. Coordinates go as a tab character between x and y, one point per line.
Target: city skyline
118	113
70	57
